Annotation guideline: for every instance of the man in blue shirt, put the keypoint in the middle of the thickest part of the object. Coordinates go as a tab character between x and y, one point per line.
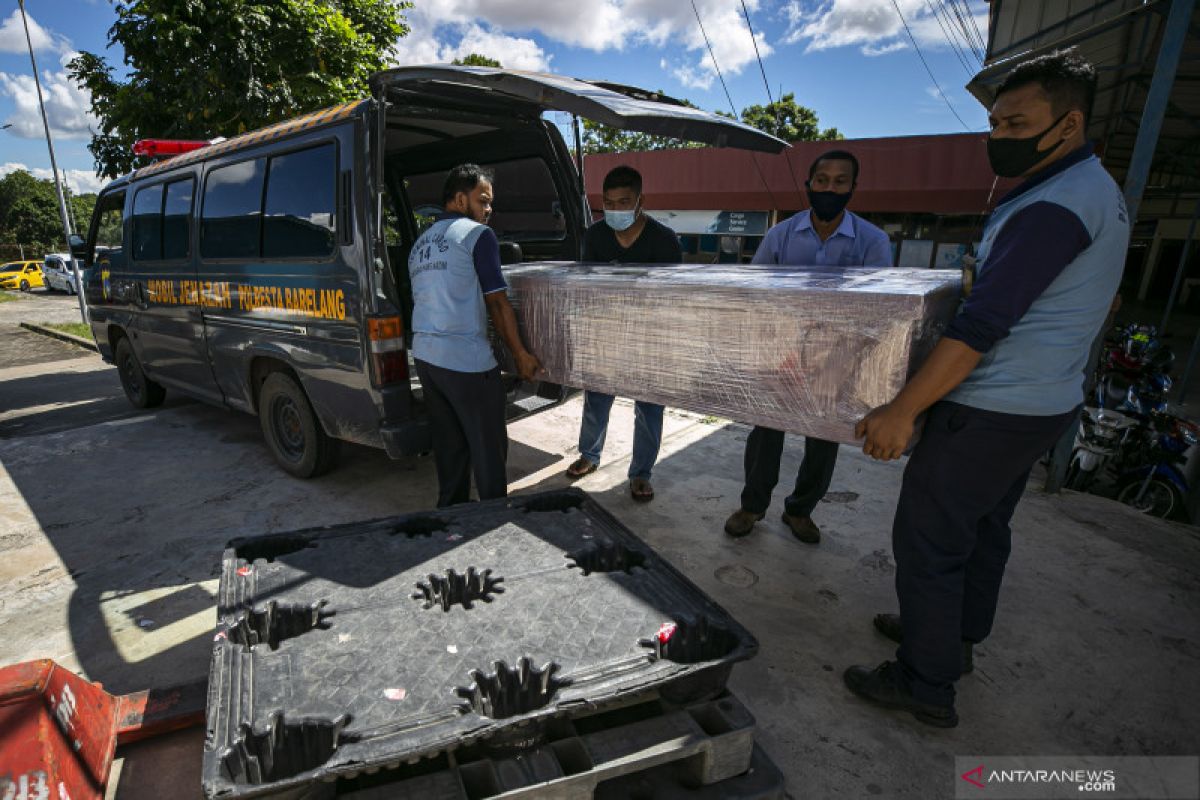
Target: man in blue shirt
454	269
1000	387
827	235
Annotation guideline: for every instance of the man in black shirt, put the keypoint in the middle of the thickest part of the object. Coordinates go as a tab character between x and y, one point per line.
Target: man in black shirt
625	236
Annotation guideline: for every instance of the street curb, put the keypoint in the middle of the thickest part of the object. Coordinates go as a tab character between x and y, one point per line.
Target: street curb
69	338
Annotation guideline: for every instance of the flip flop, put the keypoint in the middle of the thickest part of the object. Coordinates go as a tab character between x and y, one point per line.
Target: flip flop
581	467
641	490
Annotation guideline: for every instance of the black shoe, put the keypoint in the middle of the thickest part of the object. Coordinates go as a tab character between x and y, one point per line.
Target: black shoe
803	528
741	522
889	625
883	686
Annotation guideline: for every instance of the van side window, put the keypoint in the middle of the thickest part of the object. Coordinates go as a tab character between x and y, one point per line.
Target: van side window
109	225
177	219
147	224
232	212
300	204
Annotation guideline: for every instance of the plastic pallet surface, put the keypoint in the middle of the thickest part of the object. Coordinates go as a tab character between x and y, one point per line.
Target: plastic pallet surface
345	649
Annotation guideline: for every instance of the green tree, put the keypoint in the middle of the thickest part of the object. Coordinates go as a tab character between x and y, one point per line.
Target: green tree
788	120
198	69
29	214
476	60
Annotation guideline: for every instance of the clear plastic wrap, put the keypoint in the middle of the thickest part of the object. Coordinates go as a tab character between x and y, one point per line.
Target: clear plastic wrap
805	350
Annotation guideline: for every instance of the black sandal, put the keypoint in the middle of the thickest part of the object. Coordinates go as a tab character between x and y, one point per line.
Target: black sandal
641	490
581	467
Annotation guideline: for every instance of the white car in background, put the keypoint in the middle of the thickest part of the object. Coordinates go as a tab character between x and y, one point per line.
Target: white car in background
56	272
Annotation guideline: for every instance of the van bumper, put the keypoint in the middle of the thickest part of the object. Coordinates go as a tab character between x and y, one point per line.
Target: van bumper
408	438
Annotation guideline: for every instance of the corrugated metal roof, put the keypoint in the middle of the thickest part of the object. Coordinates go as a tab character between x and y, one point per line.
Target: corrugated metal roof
947	174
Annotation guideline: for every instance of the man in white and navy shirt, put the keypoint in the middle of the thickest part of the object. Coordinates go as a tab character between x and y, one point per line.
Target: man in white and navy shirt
1000	387
454	269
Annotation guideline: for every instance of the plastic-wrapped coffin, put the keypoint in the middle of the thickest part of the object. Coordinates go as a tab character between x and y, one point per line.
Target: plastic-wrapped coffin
805	350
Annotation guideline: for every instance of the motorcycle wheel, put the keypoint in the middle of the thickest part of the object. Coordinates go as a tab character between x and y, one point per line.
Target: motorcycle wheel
1079	480
1161	499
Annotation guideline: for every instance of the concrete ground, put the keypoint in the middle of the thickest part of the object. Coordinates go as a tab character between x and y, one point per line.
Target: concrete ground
112	524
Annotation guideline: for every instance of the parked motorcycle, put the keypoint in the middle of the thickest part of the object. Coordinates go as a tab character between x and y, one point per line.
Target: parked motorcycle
1153	482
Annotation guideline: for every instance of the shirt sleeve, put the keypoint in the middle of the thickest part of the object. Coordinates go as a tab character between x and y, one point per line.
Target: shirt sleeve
671	251
589	244
1030	252
487	262
879	251
768	248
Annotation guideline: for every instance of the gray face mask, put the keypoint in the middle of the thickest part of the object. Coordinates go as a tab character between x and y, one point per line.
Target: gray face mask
620	220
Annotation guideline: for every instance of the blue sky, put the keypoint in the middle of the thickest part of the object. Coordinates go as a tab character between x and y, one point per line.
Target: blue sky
850	60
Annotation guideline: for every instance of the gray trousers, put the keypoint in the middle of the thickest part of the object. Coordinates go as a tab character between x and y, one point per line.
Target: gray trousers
466	415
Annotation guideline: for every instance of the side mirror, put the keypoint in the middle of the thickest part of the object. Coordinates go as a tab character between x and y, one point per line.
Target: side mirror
510	253
78	246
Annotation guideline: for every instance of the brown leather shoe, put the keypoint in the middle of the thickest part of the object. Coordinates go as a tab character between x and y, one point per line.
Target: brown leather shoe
741	522
803	528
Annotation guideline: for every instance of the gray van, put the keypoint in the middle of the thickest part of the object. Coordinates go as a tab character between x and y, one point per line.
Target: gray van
269	273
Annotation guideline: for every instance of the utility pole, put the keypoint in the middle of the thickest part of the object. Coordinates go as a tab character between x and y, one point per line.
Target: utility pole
62	203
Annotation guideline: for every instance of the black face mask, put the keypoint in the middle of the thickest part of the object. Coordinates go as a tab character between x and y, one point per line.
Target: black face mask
827	205
1011	158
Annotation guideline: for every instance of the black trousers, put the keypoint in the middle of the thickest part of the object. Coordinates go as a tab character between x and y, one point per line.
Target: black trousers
466	414
951	535
764	449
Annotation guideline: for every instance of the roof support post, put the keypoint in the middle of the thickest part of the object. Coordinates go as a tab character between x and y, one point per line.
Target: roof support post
1174	33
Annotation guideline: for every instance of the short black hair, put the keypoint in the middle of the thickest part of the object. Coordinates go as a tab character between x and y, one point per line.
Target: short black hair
835	155
1066	78
623	177
464	178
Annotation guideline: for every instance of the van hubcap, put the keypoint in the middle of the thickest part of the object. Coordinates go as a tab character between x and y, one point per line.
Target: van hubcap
289	431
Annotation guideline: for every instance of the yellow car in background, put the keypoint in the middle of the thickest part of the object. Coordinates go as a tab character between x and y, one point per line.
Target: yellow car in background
22	275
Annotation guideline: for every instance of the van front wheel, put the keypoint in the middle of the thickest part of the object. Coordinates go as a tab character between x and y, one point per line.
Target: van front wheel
292	430
141	391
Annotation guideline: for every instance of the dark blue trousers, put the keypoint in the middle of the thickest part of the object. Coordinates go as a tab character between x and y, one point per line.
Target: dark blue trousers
951	536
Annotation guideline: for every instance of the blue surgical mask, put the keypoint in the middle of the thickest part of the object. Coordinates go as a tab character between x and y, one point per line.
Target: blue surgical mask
620	220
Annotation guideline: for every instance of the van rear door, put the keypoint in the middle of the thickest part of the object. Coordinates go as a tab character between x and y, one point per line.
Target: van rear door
610	104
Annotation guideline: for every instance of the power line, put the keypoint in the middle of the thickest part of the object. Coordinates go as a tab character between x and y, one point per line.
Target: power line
732	108
963	12
787	151
958	51
713	56
947	11
923	61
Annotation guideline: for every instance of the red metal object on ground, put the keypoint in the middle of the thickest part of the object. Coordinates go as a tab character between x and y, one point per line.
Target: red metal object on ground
59	733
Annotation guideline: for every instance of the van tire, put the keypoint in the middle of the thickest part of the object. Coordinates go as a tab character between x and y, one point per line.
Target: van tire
293	432
141	391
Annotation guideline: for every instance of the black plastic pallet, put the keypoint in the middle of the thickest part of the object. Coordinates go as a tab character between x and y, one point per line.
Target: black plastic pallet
345	649
647	750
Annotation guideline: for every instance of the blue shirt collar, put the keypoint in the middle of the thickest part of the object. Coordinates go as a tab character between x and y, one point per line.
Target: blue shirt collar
844	228
1076	156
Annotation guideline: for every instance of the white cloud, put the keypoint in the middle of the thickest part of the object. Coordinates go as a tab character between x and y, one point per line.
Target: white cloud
448	29
12	36
67	106
872	25
79	181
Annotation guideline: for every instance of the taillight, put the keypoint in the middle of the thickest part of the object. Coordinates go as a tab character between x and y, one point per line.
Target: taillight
389	359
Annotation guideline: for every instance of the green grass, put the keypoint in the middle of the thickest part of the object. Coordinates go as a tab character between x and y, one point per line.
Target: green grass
8	297
76	328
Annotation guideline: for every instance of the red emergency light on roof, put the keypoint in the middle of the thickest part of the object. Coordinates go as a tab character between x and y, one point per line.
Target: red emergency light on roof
160	148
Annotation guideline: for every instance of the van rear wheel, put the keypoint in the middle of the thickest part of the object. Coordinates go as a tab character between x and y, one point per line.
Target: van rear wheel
293	432
141	391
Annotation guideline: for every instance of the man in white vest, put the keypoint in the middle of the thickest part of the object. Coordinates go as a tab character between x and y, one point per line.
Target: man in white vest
1000	387
454	269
